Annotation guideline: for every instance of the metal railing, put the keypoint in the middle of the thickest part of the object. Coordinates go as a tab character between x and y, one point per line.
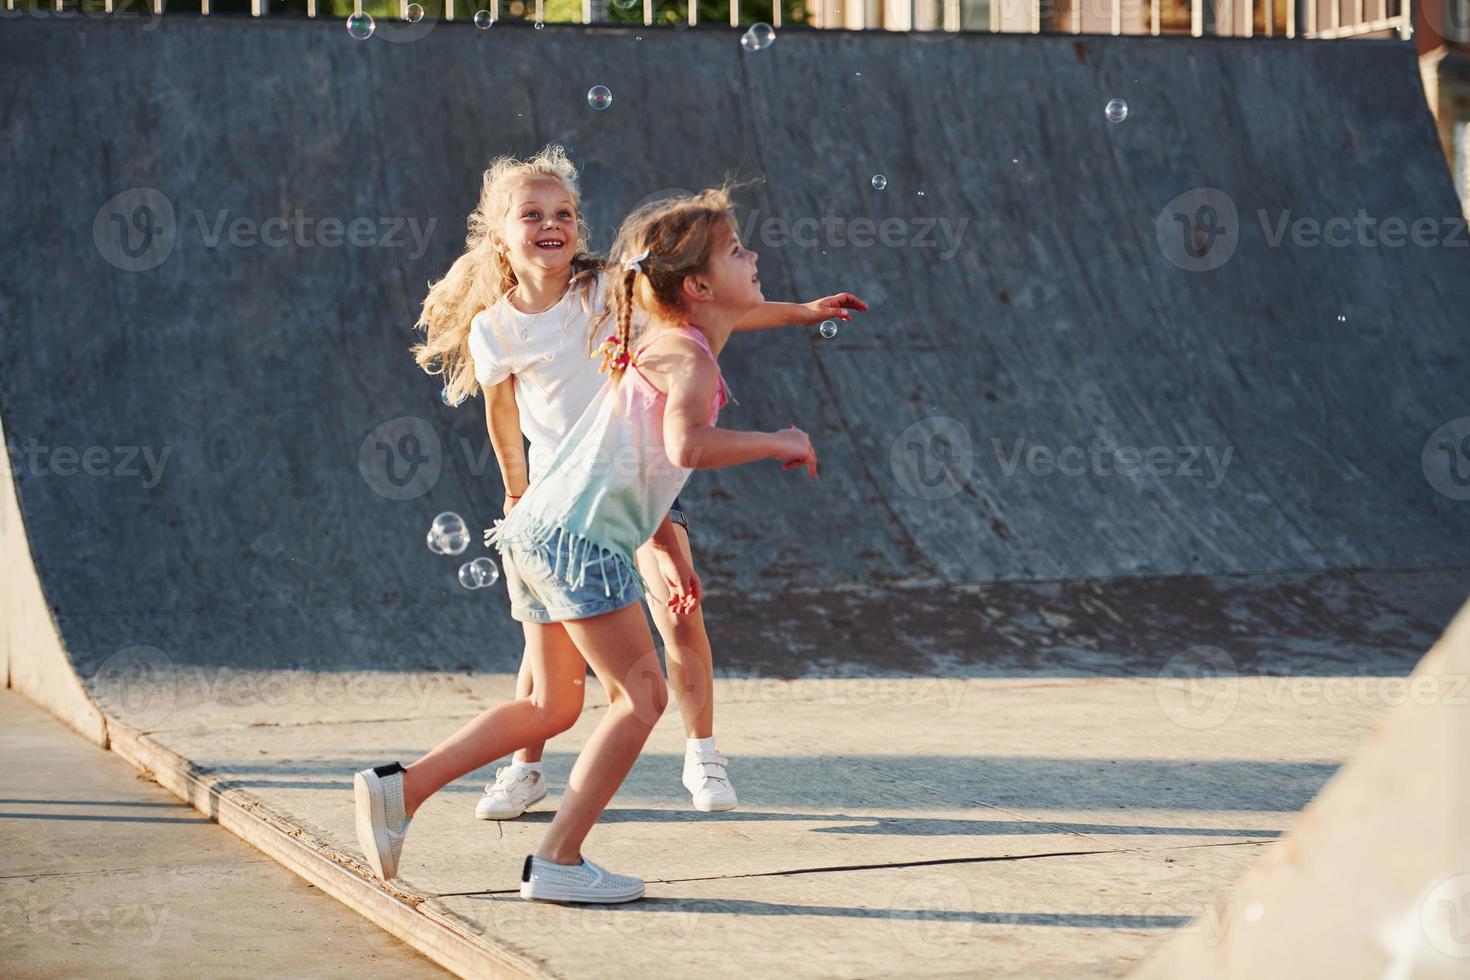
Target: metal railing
1318	19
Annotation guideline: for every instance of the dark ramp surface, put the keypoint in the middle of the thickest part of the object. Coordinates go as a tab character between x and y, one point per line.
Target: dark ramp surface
1022	297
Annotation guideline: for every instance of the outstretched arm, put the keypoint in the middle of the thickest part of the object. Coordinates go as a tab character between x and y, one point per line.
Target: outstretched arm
692	443
837	307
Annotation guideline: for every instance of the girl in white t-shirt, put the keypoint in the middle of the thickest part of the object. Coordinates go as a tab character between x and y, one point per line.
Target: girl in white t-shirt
519	316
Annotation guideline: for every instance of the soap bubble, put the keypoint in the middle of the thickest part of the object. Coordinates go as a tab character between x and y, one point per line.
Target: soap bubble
879	182
828	329
599	97
448	535
483	20
413	13
478	574
360	26
757	37
1116	110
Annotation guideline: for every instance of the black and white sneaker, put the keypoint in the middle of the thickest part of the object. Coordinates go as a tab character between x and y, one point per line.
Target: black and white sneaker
381	824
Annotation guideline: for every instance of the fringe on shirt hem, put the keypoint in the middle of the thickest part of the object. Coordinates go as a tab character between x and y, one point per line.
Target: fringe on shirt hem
571	563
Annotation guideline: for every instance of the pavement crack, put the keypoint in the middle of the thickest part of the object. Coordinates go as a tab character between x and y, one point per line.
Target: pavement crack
827	869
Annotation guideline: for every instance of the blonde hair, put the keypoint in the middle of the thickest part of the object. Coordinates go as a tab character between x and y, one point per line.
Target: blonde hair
678	235
482	275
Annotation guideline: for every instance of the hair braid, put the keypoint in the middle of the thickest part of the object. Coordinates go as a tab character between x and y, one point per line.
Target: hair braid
625	313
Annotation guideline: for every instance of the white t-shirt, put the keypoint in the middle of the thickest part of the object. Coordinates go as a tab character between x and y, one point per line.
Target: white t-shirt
548	352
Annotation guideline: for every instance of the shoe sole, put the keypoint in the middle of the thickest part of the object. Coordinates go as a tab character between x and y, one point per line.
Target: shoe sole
710	807
367	792
541	892
715	807
511	815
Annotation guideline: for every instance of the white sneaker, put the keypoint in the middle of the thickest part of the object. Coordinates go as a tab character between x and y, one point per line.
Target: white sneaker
381	824
545	881
707	780
511	795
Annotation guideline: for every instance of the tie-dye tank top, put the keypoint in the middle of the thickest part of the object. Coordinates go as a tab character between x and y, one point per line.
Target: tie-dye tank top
610	483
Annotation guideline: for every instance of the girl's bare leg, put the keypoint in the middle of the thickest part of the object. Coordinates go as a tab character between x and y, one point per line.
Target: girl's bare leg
620	650
687	652
525	684
555	704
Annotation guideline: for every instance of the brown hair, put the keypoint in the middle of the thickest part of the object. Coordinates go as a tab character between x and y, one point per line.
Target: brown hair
678	235
482	275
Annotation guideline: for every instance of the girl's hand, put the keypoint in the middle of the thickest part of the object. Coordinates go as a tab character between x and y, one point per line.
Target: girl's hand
509	504
794	449
685	590
838	307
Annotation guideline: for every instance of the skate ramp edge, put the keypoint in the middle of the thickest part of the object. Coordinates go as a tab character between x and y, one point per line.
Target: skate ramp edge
36	665
1374	878
36	661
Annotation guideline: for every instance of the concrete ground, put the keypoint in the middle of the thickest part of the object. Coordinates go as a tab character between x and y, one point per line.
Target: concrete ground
995	826
103	873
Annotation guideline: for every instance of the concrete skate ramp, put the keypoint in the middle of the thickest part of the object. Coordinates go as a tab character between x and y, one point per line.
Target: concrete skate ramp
226	455
1334	899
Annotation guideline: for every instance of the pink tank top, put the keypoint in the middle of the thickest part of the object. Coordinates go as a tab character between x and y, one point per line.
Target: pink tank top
611	482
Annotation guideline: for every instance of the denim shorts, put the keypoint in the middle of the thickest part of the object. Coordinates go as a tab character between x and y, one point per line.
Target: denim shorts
539	592
536	580
678	514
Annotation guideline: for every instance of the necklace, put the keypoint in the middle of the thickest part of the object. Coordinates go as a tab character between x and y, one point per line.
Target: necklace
559	297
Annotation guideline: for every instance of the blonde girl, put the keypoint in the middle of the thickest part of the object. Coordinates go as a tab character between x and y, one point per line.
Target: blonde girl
568	546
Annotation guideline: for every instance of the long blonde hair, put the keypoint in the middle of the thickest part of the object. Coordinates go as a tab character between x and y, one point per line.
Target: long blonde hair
482	275
678	235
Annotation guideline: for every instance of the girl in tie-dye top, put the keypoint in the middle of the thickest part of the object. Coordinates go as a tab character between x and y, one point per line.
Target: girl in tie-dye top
568	546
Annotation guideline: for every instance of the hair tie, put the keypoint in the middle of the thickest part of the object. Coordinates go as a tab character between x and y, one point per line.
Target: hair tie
635	264
615	356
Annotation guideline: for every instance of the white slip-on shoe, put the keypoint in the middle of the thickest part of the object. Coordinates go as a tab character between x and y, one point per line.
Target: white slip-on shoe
545	881
511	794
381	824
708	781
